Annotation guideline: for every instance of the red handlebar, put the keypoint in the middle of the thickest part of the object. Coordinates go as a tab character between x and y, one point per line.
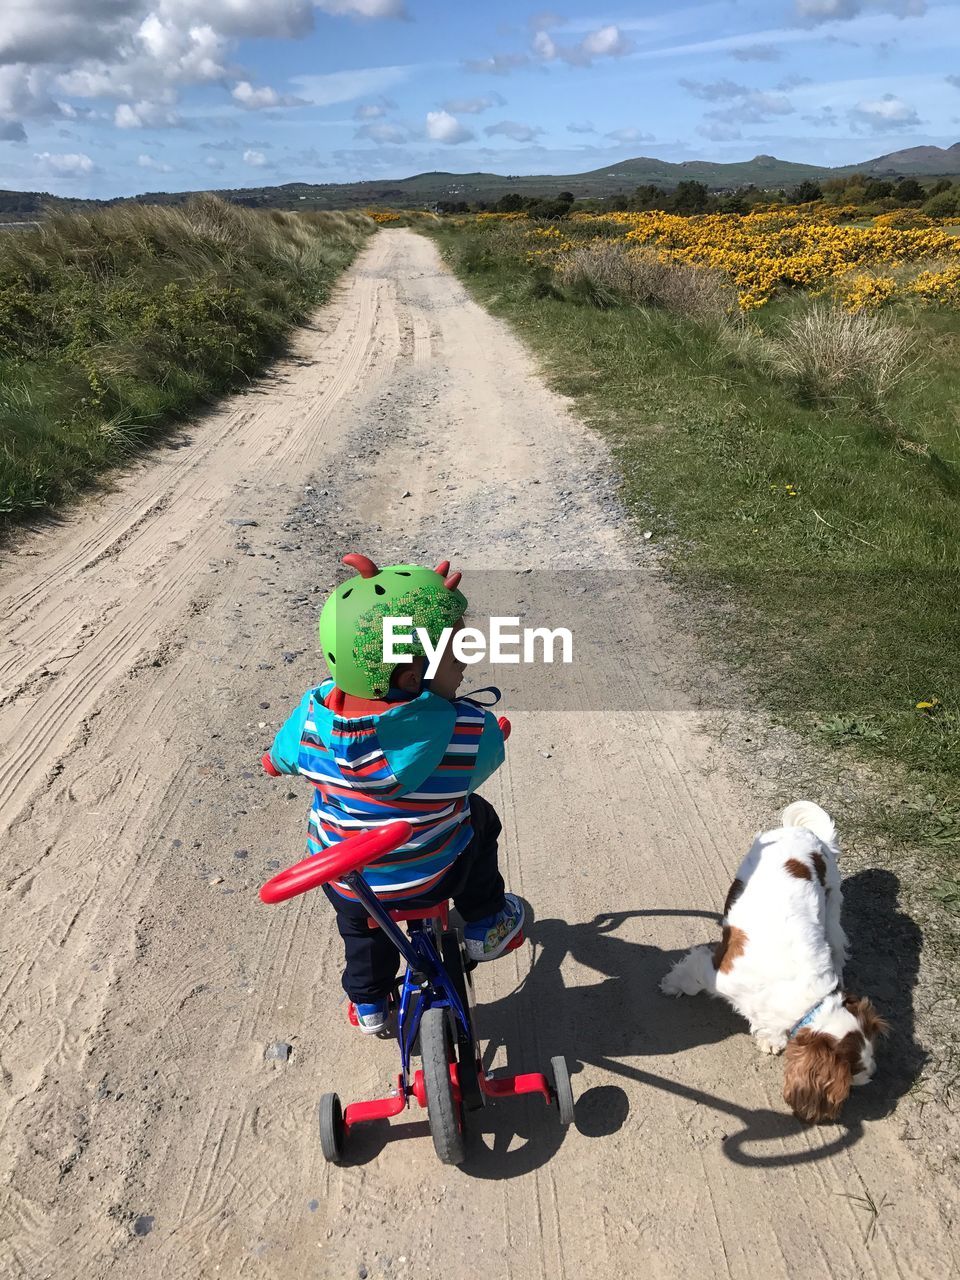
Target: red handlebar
349	855
268	766
505	727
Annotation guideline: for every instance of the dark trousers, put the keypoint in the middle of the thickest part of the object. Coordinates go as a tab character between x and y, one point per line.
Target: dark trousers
473	882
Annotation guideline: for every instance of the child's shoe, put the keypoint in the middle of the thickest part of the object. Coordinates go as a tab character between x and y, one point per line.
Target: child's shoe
372	1018
486	939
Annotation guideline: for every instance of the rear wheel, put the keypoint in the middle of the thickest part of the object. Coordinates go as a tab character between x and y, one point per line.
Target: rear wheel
332	1131
443	1109
454	961
562	1089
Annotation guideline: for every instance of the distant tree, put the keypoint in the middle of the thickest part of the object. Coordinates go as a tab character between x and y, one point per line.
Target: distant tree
547	209
806	191
943	184
648	196
566	197
510	203
908	190
690	197
945	204
878	189
735	201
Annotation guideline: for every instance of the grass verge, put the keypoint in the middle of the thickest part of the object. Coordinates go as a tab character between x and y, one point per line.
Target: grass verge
115	324
817	515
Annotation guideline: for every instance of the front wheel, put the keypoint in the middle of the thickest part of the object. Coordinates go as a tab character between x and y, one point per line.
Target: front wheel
332	1131
444	1111
562	1089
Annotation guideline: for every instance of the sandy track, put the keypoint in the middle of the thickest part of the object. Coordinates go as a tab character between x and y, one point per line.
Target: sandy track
150	649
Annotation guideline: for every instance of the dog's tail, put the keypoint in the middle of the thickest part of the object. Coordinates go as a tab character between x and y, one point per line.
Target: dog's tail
804	813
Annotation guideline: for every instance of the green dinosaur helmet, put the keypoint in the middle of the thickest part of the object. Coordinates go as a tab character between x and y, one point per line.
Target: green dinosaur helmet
350	629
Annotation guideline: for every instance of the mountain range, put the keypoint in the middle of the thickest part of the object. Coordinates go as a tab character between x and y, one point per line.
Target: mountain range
427	188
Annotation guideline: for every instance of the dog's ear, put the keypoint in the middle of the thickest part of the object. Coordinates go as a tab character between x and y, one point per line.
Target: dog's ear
819	1073
870	1021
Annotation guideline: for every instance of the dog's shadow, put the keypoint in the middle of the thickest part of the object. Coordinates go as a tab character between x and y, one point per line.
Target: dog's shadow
885	947
624	1017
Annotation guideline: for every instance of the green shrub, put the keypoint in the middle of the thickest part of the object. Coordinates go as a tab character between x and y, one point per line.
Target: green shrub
113	323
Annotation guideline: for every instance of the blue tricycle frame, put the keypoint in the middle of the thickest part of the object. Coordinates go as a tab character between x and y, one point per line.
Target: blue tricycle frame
434	1010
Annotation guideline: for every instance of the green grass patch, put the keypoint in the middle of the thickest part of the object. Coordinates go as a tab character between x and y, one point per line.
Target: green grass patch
822	536
115	324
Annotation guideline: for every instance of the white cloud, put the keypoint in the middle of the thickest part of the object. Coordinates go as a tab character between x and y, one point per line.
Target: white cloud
145	115
148	162
256	159
814	11
443	127
262	99
608	42
255	99
544	46
345	86
137	53
499	64
24	96
383	131
363	8
631	135
473	106
12	131
605	42
825	118
888	114
513	129
373	110
954	80
717	131
66	166
747	106
715	90
756	53
585	127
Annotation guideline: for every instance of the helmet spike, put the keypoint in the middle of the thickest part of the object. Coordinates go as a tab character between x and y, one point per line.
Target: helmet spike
363	565
453	581
443	568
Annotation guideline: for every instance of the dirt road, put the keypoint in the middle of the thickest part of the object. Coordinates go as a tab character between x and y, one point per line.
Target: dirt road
153	642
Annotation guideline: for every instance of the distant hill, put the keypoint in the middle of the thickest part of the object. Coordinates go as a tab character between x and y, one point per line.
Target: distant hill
762	171
933	162
427	188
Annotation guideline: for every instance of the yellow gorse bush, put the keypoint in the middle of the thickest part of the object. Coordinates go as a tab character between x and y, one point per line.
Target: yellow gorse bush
786	248
773	249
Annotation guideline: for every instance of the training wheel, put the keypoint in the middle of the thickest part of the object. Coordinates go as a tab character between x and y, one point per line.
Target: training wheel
562	1089
332	1132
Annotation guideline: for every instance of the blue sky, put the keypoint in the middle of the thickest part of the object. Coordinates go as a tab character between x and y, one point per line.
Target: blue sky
106	97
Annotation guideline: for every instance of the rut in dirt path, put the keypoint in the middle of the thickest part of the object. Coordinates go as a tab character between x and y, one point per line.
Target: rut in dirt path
153	644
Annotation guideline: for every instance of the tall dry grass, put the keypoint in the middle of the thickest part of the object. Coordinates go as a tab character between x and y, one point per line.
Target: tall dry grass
604	274
831	354
113	323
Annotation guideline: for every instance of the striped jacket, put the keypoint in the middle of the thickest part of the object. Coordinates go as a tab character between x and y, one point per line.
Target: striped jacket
417	759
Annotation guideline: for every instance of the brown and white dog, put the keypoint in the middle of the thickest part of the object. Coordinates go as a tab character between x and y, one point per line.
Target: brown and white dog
780	964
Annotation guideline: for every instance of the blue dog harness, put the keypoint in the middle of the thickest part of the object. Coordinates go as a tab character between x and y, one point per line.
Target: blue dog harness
809	1016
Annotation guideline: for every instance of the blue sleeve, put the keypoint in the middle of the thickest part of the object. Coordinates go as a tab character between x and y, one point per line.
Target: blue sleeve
490	755
286	745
